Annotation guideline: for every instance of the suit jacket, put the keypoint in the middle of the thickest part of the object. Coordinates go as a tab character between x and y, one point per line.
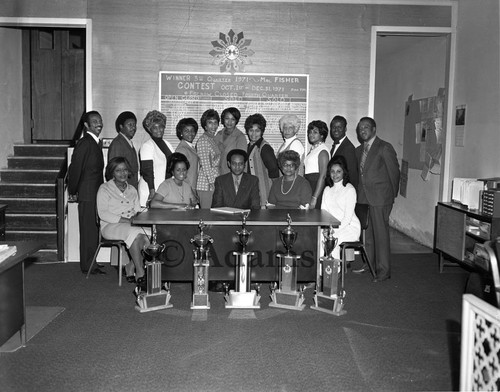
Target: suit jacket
193	159
247	196
379	182
85	171
347	150
120	147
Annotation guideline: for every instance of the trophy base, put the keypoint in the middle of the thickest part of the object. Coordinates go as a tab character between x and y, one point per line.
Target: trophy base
245	300
329	304
150	302
287	300
200	301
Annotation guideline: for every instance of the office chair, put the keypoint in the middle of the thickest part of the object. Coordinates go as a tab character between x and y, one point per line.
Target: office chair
103	242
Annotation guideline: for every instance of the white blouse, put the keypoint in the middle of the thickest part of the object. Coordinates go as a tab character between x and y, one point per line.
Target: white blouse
311	163
340	201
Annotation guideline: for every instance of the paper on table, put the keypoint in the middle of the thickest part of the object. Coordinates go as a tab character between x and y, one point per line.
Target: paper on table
7	251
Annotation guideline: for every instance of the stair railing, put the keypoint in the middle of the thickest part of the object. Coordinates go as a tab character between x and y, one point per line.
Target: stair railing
62	210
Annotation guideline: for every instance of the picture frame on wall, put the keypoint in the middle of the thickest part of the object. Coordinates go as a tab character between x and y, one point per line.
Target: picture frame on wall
106	142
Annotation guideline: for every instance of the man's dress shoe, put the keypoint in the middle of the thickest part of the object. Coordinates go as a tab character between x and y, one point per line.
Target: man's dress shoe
97	265
380	279
95	271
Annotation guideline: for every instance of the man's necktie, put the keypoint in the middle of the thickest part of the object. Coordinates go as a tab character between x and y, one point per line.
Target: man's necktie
236	184
366	147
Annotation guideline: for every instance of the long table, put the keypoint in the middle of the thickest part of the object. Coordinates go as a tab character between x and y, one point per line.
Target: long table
12	302
175	228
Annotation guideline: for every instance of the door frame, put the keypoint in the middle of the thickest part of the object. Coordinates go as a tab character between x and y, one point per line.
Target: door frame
63	23
444	194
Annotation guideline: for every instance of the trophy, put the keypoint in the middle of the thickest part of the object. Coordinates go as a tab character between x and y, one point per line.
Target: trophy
285	294
155	298
242	296
330	294
200	266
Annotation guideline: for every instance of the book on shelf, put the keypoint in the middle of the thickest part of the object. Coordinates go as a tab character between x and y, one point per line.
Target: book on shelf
230	210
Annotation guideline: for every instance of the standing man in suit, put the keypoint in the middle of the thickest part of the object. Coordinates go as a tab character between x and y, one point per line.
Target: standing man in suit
378	187
85	175
122	145
342	146
236	189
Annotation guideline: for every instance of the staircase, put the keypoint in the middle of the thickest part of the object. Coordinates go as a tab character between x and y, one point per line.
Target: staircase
28	187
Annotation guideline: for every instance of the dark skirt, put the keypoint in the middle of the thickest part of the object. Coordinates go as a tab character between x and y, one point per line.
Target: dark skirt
312	178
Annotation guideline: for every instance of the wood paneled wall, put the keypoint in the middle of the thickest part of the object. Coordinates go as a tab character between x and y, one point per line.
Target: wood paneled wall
133	41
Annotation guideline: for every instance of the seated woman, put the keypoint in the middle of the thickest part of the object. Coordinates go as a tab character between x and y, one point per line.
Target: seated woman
291	190
117	204
175	192
339	199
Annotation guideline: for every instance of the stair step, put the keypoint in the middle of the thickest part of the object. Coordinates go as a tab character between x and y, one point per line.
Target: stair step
26	190
48	237
42	150
26	205
15	162
33	222
45	256
29	175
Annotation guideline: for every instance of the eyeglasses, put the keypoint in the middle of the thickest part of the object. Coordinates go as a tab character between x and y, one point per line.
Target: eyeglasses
288	165
122	171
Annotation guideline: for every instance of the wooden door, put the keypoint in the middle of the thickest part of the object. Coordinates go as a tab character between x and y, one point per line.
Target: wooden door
57	82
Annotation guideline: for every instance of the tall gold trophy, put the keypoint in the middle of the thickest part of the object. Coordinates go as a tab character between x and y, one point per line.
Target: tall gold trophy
330	293
285	295
155	298
243	297
200	266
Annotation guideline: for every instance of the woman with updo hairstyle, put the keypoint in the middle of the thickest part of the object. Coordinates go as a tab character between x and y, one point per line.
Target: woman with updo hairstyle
230	137
175	192
186	130
291	191
339	199
117	204
261	159
316	160
209	153
154	154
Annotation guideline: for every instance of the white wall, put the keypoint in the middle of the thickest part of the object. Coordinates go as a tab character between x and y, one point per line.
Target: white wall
417	68
477	85
11	124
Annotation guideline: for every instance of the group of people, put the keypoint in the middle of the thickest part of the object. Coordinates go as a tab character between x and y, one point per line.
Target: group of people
224	170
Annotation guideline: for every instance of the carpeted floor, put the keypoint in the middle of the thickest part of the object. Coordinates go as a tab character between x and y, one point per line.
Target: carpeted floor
402	334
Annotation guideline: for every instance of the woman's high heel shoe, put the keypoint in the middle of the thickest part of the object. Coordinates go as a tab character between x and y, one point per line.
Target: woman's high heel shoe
128	271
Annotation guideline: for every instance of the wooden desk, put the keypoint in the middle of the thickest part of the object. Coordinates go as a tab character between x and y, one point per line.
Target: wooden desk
12	302
176	228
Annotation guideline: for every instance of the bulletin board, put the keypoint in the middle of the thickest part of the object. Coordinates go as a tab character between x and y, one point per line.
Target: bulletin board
424	134
189	94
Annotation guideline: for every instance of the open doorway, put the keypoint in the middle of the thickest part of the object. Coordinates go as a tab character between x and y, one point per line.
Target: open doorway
410	83
73	36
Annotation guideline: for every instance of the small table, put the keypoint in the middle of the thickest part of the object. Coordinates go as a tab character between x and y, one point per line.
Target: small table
12	299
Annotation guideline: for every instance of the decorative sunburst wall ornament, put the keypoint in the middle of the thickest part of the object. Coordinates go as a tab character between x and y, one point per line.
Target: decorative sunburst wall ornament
231	52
